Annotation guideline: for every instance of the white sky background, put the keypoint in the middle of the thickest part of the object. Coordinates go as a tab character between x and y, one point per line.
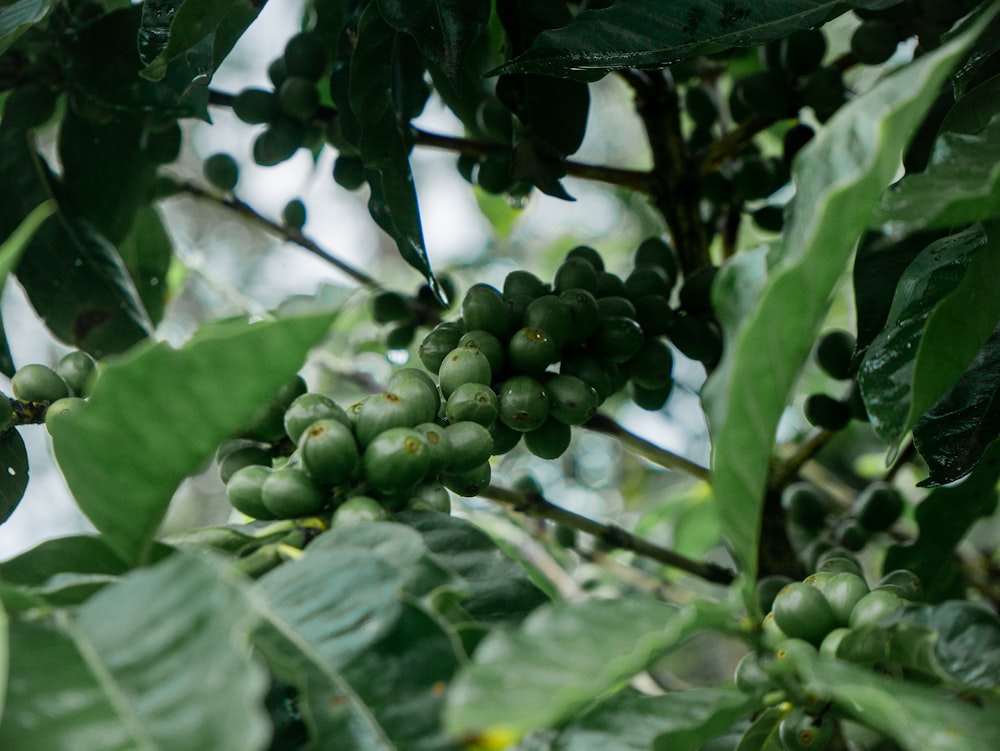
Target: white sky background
456	232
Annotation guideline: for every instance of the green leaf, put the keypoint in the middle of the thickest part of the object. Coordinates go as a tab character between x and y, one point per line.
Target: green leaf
499	591
961	184
762	735
146	253
443	29
195	396
203	31
4	656
563	657
676	721
640	34
838	179
915	716
384	145
17	17
156	661
7	366
944	310
72	276
954	434
944	517
370	667
15	244
85	554
13	471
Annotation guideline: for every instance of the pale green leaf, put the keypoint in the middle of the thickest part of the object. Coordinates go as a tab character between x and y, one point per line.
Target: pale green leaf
157	414
158	661
838	179
564	656
17	17
946	306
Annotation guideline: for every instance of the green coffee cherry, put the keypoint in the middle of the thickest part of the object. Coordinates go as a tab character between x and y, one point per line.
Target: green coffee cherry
521	282
647	280
617	338
903	582
247	456
767	588
396	461
400	337
590	369
431	496
696	292
329	452
878	506
471	445
575	273
387	307
418	389
360	509
874	41
614	305
551	315
651	366
750	677
439	342
245	489
571	400
483	308
463	365
802	612
794	141
875	606
504	438
609	284
801	52
825	412
802	732
767	93
770	633
294	214
588	254
289	493
550	440
278	142
349	172
786	653
379	412
804	505
838	560
655	251
298	98
472	402
438	446
531	351
163	146
769	218
653	314
488	344
56	411
307	409
79	370
221	171
29	106
834	353
255	106
494	174
852	535
830	644
824	92
305	55
469	483
842	591
584	312
700	106
38	383
651	400
524	403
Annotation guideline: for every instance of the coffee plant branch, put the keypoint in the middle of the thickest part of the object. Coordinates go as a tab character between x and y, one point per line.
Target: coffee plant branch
534	504
602	423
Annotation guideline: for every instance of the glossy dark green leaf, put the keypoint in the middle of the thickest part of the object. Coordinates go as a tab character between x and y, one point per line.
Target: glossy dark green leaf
982	62
944	517
961	184
676	721
371	668
88	554
444	29
383	143
128	669
17	17
196	396
953	435
914	716
147	252
13	471
106	178
202	30
73	277
499	591
564	656
762	735
966	642
974	111
945	308
640	34
102	62
838	177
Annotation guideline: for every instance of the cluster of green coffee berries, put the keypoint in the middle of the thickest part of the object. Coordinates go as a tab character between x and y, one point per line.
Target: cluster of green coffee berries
834	354
57	391
815	530
815	616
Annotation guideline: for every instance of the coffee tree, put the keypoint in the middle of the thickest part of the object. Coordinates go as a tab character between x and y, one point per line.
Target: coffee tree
351	603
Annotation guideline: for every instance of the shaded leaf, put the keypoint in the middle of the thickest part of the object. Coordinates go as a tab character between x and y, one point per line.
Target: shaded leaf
86	680
196	396
945	307
72	276
383	144
915	716
146	253
4	656
17	17
67	590
499	590
443	29
838	179
371	668
10	254
677	721
639	34
563	657
975	109
88	554
961	184
13	471
7	366
944	517
955	433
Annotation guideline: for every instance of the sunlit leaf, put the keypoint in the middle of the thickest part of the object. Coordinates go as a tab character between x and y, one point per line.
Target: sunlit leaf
564	656
122	473
838	179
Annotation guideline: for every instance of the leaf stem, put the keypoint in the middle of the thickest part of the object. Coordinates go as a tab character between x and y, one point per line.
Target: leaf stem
603	423
534	504
234	204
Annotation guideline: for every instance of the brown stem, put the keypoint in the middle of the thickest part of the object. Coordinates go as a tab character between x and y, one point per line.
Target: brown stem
534	504
785	472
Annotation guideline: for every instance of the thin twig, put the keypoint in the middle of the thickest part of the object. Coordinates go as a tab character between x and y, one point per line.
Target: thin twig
536	505
785	471
602	423
286	233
